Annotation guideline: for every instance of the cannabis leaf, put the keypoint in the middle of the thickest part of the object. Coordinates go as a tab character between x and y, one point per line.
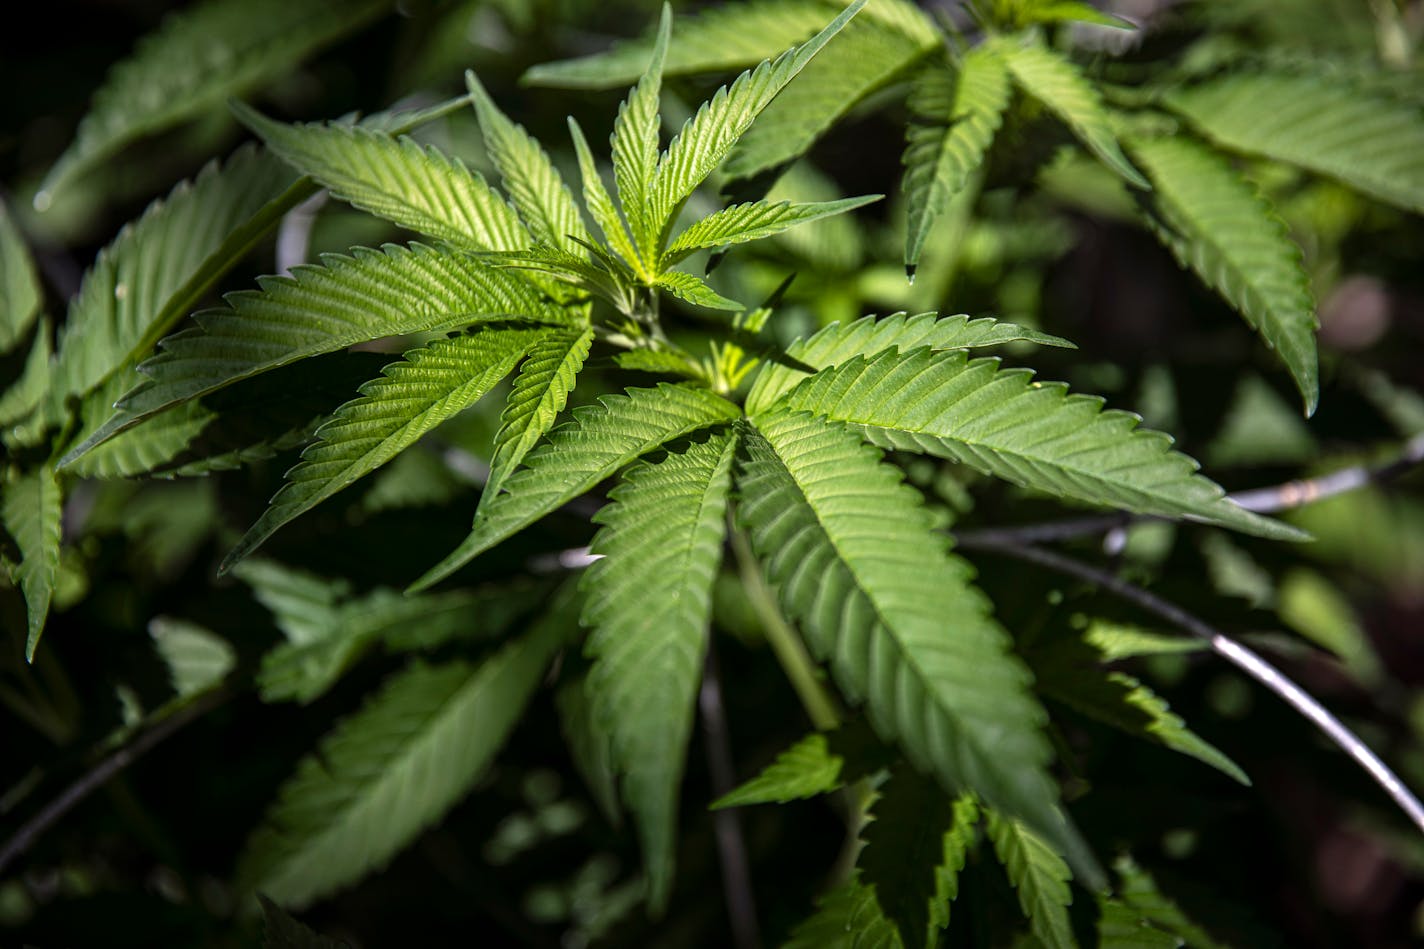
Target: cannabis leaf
648	604
413	396
395	767
1057	83
1218	225
1032	434
197	59
415	186
1040	876
596	443
1324	124
956	118
19	285
850	550
31	507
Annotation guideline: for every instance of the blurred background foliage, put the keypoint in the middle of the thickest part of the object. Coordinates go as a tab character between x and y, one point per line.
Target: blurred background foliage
1311	855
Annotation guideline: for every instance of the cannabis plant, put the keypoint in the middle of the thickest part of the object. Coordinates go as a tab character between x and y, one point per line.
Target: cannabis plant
531	353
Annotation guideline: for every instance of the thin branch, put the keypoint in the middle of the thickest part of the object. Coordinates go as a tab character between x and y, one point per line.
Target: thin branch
731	846
1269	500
97	776
1234	652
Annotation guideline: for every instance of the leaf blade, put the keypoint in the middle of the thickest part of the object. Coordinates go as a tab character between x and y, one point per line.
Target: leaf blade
394	768
1032	434
648	602
600	439
1222	228
32	508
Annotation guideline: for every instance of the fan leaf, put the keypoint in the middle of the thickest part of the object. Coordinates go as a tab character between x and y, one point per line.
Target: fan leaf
1325	124
839	342
636	145
20	294
599	440
1058	84
1219	226
417	187
533	183
957	115
709	135
321	309
753	221
648	603
915	848
868	56
880	598
395	768
540	393
196	60
157	267
695	290
600	204
1032	434
32	507
1040	876
425	388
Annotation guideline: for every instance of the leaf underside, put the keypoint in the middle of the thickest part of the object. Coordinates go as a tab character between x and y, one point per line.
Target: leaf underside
648	604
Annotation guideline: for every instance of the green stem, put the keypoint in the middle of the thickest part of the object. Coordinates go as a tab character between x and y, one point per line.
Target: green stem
785	643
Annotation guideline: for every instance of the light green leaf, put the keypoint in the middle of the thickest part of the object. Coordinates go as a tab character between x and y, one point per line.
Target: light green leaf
1032	434
1139	891
1123	702
661	362
157	267
1115	641
806	769
534	184
817	764
695	290
867	57
1040	876
879	597
709	135
1122	927
716	39
839	342
600	205
414	395
599	440
138	450
915	847
956	117
32	506
848	917
1221	227
197	658
348	300
636	144
20	294
648	603
394	768
541	390
415	186
753	221
1065	11
26	393
1323	123
1057	83
197	59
